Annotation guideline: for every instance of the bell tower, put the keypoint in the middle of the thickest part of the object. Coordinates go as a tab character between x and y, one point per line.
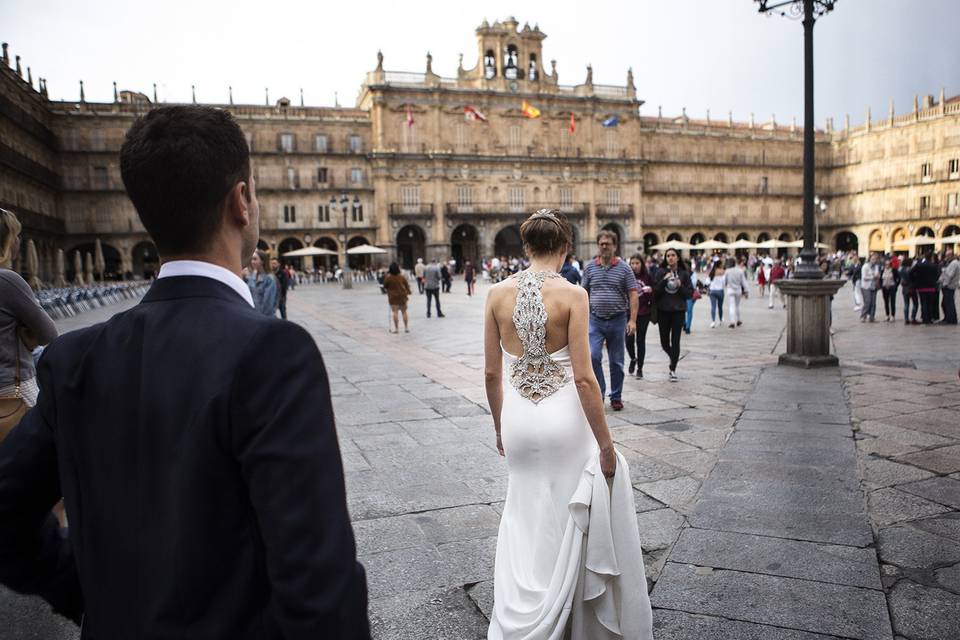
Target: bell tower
508	58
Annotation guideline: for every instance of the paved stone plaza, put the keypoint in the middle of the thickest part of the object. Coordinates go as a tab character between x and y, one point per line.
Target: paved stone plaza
773	503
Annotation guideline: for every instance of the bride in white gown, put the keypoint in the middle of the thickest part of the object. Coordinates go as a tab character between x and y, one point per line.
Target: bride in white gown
568	563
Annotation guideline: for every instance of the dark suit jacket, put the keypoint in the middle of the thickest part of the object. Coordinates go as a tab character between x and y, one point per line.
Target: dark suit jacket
193	441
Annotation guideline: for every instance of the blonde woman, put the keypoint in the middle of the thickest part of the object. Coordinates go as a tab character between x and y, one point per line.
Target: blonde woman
24	326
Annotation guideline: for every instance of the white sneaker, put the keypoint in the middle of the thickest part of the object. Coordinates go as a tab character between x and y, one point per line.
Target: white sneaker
713	325
673	376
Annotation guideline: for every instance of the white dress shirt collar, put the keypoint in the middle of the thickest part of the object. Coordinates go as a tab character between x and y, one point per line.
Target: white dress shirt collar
206	270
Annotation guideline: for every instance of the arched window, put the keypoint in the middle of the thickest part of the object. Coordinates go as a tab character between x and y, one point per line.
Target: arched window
532	73
510	68
489	65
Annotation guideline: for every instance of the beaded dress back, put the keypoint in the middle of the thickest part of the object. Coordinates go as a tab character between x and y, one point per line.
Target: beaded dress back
535	375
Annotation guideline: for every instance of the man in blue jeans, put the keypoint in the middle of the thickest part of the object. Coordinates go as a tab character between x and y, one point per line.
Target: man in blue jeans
613	312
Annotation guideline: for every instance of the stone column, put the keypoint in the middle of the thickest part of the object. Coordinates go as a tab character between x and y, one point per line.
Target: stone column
808	322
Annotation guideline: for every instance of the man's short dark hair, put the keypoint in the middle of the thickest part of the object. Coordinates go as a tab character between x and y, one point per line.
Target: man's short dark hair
178	164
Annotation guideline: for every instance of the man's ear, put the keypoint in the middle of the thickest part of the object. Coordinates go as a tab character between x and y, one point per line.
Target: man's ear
237	205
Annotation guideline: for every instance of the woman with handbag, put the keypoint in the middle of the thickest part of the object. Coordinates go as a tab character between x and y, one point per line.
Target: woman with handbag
24	326
671	292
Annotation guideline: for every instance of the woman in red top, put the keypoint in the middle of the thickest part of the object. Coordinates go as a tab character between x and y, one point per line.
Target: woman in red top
636	344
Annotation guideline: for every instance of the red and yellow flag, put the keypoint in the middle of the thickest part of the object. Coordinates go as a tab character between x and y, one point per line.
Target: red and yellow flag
573	123
529	110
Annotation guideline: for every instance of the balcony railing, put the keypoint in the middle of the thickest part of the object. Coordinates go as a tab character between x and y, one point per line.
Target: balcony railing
615	210
312	184
504	208
401	209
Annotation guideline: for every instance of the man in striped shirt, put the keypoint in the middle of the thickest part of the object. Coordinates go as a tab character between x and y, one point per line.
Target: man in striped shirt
613	312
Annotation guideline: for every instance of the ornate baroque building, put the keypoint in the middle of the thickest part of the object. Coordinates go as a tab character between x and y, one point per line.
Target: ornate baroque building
430	166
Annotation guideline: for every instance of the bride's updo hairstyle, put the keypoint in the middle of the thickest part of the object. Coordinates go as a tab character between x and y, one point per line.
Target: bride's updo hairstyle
546	232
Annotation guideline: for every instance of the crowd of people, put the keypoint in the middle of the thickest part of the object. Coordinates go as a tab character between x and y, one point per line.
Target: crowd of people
669	286
926	284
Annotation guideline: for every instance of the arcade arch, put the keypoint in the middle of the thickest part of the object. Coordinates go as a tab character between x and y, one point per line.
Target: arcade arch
411	244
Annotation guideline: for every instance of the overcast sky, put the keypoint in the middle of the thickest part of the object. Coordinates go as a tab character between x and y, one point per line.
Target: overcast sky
699	54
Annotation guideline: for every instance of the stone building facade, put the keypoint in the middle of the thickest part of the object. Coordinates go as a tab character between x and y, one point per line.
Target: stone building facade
428	166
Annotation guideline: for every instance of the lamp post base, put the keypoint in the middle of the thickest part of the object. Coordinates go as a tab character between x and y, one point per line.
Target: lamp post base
808	322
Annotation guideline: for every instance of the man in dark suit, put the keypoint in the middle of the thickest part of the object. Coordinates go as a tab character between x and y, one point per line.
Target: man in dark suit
191	437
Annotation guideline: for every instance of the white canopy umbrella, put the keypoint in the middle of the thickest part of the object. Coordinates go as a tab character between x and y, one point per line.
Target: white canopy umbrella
798	244
309	251
915	240
773	244
744	244
672	244
710	245
365	249
951	239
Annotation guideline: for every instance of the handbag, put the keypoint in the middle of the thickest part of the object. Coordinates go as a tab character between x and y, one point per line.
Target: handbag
12	409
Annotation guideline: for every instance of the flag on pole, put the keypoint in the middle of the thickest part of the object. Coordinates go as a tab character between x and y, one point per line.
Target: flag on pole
409	116
573	123
612	121
472	113
529	110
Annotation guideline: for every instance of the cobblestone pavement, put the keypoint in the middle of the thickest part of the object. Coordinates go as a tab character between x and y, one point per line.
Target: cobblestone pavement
425	484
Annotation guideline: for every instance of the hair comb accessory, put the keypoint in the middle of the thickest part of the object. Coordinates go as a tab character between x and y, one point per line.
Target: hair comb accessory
546	214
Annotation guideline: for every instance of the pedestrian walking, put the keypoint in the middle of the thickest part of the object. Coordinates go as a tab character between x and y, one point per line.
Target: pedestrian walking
612	288
469	276
418	270
762	278
284	282
263	285
570	272
949	281
924	276
910	295
777	272
869	282
671	293
889	281
637	343
431	285
855	270
736	281
398	292
692	300
446	279
717	283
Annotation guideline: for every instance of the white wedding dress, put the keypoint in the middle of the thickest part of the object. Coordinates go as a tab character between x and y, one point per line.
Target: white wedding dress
568	562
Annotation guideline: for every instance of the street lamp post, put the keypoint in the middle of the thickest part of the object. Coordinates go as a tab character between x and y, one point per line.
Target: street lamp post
344	206
808	293
809	10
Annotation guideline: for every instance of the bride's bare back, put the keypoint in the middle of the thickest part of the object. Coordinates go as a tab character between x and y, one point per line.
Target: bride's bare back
559	297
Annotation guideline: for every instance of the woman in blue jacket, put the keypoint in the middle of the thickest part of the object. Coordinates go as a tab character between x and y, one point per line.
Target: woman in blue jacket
263	285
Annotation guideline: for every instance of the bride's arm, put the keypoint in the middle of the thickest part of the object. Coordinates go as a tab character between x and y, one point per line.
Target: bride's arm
493	365
586	381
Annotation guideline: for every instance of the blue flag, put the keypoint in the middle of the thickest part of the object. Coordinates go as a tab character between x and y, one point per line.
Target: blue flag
612	121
